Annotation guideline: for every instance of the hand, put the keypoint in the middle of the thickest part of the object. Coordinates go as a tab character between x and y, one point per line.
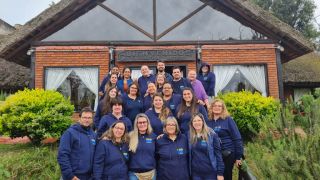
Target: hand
201	102
220	177
75	178
238	163
100	93
160	136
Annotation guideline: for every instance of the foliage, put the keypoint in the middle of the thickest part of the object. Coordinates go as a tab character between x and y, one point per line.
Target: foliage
28	162
3	95
285	150
248	109
38	114
297	13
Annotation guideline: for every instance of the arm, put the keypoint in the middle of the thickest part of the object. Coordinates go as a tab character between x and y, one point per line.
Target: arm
98	161
64	154
103	126
97	116
203	111
236	138
212	84
218	155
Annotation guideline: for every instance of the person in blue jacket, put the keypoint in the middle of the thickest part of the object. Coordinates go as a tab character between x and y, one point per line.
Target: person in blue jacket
76	149
142	163
179	82
161	70
115	69
227	130
187	108
207	78
147	99
132	102
172	153
116	115
124	83
205	159
158	113
112	154
145	79
171	100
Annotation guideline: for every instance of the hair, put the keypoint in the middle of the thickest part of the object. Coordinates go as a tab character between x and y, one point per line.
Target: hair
106	108
165	111
125	69
110	136
160	61
204	131
224	113
169	119
164	78
176	67
136	84
147	93
85	109
109	84
183	107
116	101
134	135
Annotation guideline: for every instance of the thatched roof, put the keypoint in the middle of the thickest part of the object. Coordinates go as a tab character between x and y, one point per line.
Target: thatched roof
303	71
13	76
15	46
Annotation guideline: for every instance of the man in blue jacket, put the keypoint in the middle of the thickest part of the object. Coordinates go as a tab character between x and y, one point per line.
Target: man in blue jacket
179	82
76	150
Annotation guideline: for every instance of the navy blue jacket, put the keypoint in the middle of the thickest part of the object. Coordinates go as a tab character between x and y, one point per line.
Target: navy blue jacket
110	161
147	102
229	134
97	116
185	118
143	159
155	122
76	150
213	153
107	120
172	158
208	80
120	85
178	86
173	102
105	81
132	107
143	83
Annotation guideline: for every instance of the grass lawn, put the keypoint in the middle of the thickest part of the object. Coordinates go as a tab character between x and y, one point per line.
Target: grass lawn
24	161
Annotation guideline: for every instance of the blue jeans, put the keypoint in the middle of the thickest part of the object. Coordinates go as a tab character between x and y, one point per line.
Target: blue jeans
132	176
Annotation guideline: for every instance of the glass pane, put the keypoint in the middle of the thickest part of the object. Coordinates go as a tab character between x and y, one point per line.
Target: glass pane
136	72
97	25
137	11
210	24
80	96
170	12
239	83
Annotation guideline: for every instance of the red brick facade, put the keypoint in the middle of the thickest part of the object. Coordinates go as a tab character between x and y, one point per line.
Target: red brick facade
63	56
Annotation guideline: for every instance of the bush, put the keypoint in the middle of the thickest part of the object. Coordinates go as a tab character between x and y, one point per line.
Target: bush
37	114
248	109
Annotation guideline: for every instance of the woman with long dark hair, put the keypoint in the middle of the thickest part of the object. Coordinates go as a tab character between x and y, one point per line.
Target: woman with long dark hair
132	102
124	83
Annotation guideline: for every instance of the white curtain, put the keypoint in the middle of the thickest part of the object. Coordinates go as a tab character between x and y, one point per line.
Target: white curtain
223	75
89	77
55	77
298	93
256	76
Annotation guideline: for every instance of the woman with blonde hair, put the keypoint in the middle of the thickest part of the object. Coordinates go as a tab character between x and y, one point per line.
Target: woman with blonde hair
205	159
231	142
158	113
142	162
111	156
172	152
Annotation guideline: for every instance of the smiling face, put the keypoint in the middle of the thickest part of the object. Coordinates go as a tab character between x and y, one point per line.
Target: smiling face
167	89
86	119
145	71
115	70
192	75
119	130
187	95
126	73
217	108
113	79
160	66
157	102
117	109
171	128
197	123
205	69
176	73
160	79
133	89
113	93
142	125
152	88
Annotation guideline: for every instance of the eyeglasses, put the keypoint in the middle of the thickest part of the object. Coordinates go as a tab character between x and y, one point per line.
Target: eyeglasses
119	128
171	125
86	117
142	122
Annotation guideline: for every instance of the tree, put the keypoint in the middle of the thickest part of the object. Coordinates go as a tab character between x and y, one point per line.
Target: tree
298	14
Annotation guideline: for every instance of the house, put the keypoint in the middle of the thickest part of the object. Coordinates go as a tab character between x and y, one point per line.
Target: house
72	45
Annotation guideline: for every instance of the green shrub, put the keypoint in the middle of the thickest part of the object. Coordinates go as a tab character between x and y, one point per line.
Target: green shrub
3	95
248	109
37	114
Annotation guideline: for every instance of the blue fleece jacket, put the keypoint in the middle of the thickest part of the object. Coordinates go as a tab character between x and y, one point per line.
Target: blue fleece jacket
76	150
208	80
205	157
229	134
178	86
155	122
147	103
172	158
173	102
97	116
143	83
185	118
107	120
143	159
110	161
120	85
132	107
105	81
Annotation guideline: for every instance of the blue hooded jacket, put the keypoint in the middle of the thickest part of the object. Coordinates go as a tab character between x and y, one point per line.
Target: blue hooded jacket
110	161
213	151
172	158
208	80
107	120
178	86
132	107
76	150
155	122
143	83
173	103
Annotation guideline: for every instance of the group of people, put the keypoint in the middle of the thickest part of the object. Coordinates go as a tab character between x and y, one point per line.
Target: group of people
160	127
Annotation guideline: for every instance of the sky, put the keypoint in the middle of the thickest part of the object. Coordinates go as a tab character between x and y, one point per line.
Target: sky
21	11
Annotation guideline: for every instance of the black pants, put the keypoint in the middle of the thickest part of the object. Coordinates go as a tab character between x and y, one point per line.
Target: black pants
228	166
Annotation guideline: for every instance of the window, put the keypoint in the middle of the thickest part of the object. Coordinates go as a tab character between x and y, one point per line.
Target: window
240	77
80	85
136	72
